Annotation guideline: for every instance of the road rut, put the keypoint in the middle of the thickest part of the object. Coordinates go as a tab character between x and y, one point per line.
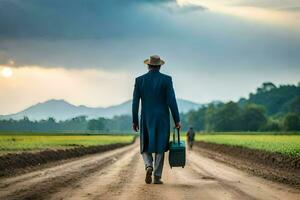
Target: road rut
119	174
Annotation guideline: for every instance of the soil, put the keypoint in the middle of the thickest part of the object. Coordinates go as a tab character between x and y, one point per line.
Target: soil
273	166
120	174
14	163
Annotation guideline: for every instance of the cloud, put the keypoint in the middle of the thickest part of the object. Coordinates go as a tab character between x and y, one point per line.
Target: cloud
182	9
291	9
273	4
99	46
280	13
4	57
62	19
79	19
90	87
270	4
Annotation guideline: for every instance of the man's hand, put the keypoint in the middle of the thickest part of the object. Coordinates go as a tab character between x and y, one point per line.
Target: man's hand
135	127
178	125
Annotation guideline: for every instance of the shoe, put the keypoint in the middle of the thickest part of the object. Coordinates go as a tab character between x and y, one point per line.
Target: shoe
157	180
148	178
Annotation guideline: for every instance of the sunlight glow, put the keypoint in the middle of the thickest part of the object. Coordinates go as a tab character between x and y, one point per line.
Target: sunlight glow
91	87
7	72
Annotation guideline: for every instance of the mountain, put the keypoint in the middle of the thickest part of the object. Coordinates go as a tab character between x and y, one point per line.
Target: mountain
62	110
185	105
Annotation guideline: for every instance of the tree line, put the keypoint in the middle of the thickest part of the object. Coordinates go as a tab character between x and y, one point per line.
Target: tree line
270	108
233	117
118	124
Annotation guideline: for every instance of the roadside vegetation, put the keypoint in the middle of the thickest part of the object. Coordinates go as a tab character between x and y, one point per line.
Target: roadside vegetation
285	144
9	143
271	108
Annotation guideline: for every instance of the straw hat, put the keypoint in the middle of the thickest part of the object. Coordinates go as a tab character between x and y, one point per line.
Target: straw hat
154	60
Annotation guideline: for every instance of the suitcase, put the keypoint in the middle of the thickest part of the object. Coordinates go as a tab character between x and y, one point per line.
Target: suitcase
177	151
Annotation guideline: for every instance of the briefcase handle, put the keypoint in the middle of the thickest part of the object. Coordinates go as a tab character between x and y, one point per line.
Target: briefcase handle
178	135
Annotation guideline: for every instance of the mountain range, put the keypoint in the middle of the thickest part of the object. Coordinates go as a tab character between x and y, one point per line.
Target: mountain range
62	110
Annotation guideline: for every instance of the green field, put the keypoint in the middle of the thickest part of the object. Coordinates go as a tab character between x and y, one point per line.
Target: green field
10	143
286	144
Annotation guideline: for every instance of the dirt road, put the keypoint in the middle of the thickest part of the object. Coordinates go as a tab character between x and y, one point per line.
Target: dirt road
119	174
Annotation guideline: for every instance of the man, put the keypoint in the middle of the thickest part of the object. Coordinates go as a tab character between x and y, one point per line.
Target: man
190	136
155	90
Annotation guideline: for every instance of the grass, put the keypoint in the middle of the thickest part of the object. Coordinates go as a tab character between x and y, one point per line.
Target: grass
252	133
286	144
10	143
60	133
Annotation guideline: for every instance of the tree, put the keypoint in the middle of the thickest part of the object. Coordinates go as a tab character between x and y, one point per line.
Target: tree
24	124
76	123
96	124
210	117
291	122
119	123
294	105
275	100
227	117
253	118
271	125
50	124
267	86
196	119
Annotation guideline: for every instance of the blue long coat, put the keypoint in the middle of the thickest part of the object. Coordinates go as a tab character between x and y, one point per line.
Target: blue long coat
155	90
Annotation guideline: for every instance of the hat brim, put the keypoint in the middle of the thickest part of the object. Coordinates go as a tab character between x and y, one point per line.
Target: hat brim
147	62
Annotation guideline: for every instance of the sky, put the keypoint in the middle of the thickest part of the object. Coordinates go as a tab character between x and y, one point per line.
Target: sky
89	52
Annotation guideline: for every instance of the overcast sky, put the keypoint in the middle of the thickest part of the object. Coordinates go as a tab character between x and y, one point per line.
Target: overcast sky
88	52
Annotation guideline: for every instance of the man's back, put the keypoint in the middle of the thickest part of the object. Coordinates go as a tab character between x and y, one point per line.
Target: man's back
153	87
191	135
157	95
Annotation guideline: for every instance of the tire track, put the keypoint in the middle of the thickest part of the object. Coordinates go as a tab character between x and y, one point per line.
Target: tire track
238	184
104	183
120	174
124	177
51	180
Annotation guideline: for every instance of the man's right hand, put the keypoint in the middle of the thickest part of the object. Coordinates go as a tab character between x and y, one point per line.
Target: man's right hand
135	127
178	125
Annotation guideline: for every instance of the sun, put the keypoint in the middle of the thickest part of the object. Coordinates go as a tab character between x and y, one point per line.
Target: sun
7	72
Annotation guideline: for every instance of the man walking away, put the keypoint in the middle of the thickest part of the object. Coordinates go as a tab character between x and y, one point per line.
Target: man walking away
155	90
190	136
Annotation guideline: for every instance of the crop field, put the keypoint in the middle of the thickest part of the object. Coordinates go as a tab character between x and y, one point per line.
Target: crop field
10	143
286	144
